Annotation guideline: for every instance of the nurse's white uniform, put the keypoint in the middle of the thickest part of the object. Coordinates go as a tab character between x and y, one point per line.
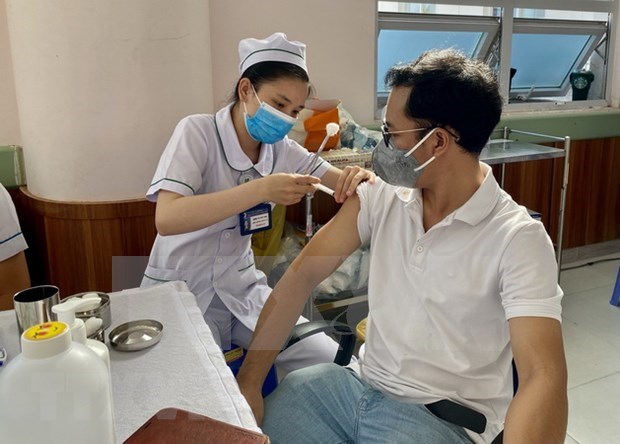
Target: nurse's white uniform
204	156
11	238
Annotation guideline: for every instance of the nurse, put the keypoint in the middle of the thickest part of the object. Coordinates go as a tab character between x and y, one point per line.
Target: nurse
14	274
216	183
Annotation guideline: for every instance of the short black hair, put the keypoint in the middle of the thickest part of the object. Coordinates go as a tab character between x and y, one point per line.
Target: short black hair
450	89
264	72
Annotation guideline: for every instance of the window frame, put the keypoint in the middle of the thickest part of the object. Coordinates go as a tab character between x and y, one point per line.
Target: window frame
508	25
596	31
402	21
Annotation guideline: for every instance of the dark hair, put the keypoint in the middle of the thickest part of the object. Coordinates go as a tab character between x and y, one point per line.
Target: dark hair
264	72
450	89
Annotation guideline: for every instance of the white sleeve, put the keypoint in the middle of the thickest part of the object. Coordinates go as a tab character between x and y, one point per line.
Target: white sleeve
364	223
529	275
183	161
11	238
299	159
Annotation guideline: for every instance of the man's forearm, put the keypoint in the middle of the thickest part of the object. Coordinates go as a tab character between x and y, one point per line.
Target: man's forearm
275	323
539	412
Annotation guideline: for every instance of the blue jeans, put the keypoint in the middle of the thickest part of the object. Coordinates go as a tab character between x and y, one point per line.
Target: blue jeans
329	404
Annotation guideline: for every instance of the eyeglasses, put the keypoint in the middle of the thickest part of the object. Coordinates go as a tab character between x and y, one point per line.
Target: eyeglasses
388	134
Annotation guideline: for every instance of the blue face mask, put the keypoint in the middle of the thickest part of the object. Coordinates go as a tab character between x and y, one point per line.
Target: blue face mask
267	125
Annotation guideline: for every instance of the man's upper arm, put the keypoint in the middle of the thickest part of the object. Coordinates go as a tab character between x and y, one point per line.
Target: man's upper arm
332	244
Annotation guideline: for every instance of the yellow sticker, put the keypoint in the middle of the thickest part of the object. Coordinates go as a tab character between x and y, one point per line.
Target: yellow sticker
232	355
44	331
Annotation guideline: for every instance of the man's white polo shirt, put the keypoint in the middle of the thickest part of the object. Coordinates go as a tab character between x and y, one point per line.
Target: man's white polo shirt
439	301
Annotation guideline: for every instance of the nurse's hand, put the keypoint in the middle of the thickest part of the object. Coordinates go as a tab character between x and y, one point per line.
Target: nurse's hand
350	178
286	189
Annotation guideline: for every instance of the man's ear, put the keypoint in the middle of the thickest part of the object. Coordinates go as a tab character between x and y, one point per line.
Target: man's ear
442	141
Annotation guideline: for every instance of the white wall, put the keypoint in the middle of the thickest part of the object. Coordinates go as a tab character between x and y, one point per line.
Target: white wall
101	85
9	123
340	37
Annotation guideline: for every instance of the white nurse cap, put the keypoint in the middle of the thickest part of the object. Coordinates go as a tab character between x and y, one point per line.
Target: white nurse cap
275	48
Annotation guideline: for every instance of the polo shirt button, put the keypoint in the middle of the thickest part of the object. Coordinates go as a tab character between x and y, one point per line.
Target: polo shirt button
219	260
226	235
420	248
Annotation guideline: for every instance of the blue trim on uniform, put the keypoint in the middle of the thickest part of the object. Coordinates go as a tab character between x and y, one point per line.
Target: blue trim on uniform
317	167
9	238
155	279
221	144
245	268
175	181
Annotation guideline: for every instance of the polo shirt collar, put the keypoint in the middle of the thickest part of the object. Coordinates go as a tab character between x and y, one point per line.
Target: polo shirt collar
482	202
235	156
408	195
479	205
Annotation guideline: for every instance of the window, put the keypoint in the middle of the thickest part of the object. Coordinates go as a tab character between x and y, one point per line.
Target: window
545	53
543	57
403	37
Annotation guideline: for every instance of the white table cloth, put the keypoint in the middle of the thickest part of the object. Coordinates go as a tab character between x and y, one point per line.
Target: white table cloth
185	369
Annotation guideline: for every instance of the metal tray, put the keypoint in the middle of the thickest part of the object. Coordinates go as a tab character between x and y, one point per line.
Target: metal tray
136	335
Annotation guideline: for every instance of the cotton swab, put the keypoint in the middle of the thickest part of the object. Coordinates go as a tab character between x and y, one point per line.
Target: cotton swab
331	129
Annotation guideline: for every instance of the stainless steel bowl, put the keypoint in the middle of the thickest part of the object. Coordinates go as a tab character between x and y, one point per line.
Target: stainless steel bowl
136	335
103	311
99	335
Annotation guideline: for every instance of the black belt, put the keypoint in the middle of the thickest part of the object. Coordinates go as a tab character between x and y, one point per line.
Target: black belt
462	416
458	414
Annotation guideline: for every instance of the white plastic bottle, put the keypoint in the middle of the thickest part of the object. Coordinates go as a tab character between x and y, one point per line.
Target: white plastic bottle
66	313
56	390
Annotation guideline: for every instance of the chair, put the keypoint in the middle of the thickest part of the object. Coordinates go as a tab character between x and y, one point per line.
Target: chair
235	355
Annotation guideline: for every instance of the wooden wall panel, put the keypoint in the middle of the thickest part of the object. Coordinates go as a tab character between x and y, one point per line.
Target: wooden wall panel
72	245
592	212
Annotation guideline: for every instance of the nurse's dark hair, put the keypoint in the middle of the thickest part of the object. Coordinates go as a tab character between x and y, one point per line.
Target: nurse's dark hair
265	72
450	89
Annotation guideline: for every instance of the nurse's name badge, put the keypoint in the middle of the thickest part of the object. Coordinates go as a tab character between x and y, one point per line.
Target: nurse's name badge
255	219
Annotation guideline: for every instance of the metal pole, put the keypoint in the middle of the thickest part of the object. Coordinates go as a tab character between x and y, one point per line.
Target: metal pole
503	167
546	136
309	227
309	307
563	192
